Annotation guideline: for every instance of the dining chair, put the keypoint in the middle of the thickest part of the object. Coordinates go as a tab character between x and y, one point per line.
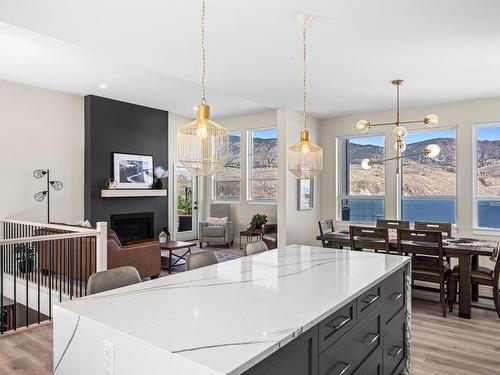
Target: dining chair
369	238
393	224
479	276
429	225
326	227
112	279
426	249
255	247
202	259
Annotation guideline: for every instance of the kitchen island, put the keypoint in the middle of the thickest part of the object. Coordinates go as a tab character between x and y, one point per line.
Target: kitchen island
294	310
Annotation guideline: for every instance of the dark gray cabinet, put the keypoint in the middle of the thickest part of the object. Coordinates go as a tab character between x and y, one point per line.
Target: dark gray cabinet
367	336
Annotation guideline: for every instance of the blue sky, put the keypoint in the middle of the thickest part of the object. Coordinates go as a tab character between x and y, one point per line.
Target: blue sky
266	133
375	141
490	134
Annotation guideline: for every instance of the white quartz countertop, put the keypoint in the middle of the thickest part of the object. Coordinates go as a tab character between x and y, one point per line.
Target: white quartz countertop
232	315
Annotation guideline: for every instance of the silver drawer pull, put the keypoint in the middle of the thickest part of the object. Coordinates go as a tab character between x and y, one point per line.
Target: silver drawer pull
395	296
370	339
343	366
370	299
395	351
336	326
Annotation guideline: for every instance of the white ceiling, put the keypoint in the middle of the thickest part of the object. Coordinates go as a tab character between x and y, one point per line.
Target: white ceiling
147	52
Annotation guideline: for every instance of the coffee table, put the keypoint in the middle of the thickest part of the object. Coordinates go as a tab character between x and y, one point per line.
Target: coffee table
250	234
167	252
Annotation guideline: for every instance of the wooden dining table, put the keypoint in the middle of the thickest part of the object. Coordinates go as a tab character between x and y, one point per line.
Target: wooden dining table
466	250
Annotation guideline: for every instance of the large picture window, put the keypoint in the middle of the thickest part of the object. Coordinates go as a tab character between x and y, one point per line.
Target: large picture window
429	184
227	181
487	176
361	191
263	165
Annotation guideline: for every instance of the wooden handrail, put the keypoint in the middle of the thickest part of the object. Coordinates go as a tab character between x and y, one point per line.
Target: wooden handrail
71	228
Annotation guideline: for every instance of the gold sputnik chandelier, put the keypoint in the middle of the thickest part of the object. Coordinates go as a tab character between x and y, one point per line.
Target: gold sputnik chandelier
202	144
399	133
305	158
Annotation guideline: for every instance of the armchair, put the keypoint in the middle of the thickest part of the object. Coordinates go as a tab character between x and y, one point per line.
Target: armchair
217	233
270	235
145	256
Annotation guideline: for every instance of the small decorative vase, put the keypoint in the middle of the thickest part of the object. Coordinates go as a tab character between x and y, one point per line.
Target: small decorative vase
111	183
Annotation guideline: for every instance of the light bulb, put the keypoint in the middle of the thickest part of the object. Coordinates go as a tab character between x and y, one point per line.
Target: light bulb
363	126
306	149
366	163
401	145
201	131
432	151
431	121
399	132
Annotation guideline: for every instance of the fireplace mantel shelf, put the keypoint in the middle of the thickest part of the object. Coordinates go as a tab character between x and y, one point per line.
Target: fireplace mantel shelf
132	193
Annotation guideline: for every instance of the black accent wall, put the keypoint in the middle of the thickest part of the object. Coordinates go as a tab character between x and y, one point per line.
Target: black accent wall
115	126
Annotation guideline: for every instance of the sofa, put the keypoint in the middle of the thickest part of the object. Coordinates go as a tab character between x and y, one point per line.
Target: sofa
270	235
217	234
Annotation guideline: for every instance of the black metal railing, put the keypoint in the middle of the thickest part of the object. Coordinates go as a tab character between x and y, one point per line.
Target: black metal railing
39	265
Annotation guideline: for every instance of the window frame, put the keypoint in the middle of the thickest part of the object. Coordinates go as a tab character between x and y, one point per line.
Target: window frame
402	197
338	173
475	197
249	179
214	176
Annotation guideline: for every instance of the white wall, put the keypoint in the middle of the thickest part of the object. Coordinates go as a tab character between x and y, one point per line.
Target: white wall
243	211
463	114
295	227
40	128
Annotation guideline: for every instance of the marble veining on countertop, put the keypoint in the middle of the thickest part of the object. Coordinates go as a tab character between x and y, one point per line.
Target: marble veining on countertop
229	316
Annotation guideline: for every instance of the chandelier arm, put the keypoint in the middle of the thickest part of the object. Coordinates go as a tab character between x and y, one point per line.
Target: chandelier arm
383	124
375	161
412	122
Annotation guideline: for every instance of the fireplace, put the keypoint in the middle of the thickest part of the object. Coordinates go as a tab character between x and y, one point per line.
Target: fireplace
133	227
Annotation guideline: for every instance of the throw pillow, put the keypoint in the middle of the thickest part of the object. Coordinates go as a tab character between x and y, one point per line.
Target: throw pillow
221	221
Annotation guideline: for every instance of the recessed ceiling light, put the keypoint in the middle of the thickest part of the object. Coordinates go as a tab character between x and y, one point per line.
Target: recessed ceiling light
102	86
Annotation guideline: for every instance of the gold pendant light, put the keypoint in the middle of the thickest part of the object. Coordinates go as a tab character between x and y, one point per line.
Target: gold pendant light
305	158
202	144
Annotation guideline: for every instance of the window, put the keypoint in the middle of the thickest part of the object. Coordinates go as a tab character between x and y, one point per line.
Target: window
263	165
429	184
227	181
488	176
361	191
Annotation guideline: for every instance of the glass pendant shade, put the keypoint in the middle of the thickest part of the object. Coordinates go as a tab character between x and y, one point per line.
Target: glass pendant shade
362	126
401	145
305	158
432	150
431	121
399	133
202	144
366	163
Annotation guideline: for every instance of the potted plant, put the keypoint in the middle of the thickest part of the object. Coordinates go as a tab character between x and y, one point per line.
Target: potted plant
25	257
258	220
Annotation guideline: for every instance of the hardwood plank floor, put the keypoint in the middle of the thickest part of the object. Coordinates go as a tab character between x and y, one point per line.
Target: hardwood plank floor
440	346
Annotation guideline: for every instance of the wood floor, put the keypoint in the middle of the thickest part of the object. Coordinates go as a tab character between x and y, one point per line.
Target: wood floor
440	346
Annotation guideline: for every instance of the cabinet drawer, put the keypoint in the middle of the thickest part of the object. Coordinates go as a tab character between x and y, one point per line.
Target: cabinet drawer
394	347
369	301
349	352
393	296
336	325
373	364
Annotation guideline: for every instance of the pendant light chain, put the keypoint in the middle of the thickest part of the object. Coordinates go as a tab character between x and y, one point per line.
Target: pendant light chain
305	74
203	55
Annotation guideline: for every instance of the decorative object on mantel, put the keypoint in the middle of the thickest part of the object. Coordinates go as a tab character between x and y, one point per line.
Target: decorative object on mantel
41	195
399	133
305	194
258	220
159	173
111	183
305	158
202	144
132	171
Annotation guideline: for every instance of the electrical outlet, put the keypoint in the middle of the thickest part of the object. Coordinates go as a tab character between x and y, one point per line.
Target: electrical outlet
109	357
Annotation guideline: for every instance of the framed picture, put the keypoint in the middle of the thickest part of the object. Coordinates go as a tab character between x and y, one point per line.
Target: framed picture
133	171
305	194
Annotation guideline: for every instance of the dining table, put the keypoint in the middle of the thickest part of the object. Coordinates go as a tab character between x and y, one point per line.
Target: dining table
466	249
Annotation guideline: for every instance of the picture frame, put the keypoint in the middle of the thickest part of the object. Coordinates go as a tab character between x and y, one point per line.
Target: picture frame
133	171
305	195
